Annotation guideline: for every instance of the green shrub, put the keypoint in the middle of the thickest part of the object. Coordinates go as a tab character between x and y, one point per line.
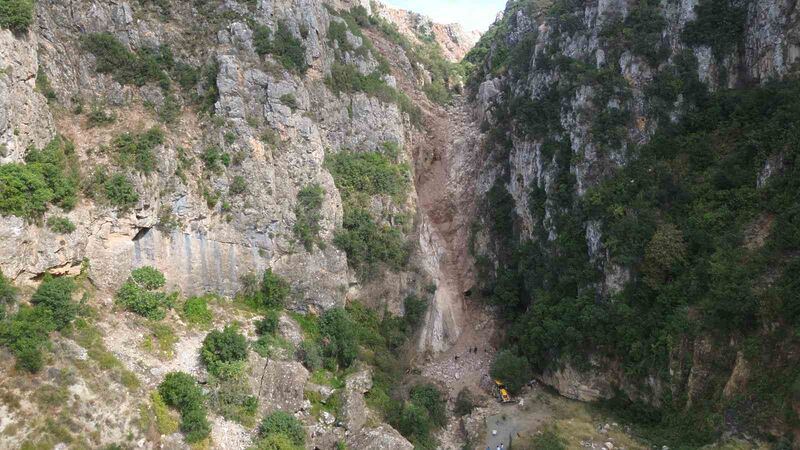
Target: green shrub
136	150
283	423
23	191
290	101
338	336
548	440
180	391
113	57
223	350
274	290
512	369
268	324
214	159
60	224
414	309
276	441
641	31
232	398
431	398
196	311
55	295
311	355
43	85
368	173
98	117
120	192
368	244
26	334
414	422
719	24
139	294
16	15
306	227
238	185
286	48
8	294
347	79
50	175
165	423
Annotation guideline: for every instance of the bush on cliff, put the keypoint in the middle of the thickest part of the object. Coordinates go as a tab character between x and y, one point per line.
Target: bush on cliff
16	15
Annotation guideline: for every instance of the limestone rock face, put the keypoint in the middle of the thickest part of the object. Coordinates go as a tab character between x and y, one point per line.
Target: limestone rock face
354	405
24	119
452	38
279	385
209	245
579	385
382	437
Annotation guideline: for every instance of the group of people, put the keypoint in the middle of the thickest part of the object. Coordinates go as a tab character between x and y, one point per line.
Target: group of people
499	447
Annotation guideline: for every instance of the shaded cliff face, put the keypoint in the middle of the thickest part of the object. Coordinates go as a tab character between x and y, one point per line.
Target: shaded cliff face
609	129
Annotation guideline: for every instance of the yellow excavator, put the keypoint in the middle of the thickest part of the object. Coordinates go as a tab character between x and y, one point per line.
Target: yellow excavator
501	392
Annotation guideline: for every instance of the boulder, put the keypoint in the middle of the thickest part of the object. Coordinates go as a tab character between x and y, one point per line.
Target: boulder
354	407
279	385
382	437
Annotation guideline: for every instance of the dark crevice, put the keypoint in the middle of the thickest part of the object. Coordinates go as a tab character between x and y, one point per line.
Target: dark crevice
141	233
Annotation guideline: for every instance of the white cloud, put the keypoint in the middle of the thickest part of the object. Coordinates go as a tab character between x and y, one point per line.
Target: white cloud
472	15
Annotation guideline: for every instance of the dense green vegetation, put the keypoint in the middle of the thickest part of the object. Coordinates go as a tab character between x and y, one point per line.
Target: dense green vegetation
8	294
196	311
280	426
336	341
307	212
339	339
136	150
181	391
16	15
359	176
512	369
43	85
707	244
26	333
283	46
719	25
55	295
369	244
640	32
224	352
154	65
268	293
346	78
119	191
214	159
678	216
113	57
140	294
49	176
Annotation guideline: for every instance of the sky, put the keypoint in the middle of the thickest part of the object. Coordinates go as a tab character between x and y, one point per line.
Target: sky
471	14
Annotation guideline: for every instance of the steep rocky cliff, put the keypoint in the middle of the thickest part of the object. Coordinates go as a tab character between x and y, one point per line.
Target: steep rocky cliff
630	195
194	137
187	221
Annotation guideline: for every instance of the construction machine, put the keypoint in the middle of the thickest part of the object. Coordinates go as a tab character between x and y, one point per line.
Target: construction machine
501	391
